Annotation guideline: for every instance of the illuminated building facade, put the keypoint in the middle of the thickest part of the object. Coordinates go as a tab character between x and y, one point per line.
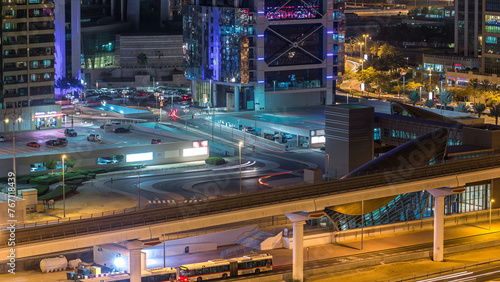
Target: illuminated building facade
491	32
28	65
264	55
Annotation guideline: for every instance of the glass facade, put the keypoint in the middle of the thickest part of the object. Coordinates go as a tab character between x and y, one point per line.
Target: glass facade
492	65
98	50
492	24
296	79
306	49
216	43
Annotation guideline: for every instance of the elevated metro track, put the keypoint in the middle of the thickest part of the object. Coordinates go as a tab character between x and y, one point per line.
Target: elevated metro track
151	224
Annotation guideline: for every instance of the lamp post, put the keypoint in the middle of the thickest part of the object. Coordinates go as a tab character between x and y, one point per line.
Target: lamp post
420	96
240	144
366	36
430	77
156	98
362	62
64	188
491	203
161	105
139	189
360	49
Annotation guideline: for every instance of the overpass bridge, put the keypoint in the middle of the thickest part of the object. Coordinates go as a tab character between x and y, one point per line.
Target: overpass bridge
313	198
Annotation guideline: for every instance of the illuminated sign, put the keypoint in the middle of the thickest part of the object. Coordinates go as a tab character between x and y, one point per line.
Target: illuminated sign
194	152
52	113
204	143
139	157
39	113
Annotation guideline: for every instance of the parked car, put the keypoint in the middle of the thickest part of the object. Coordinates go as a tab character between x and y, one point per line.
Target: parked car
63	141
155	141
109	124
33	144
94	137
70	132
2	139
53	143
121	130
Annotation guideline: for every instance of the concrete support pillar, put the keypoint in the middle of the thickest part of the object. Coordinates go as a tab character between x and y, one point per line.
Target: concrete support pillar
438	250
495	193
298	251
236	98
439	194
298	220
135	265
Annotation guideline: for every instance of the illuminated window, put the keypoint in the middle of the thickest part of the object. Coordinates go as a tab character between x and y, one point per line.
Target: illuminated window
194	152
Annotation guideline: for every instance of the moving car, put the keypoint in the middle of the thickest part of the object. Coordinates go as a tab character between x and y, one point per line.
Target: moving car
2	139
121	130
33	144
155	141
70	132
94	137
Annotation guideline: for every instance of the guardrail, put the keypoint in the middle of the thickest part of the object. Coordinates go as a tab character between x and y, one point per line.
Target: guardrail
246	201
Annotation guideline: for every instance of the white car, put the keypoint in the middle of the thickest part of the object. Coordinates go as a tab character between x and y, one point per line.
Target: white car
2	139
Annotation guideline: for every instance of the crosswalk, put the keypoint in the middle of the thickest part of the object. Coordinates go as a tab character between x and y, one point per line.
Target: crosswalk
172	202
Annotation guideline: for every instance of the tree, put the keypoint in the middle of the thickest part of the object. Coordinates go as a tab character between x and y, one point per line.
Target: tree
414	97
494	111
445	98
461	107
142	59
413	86
159	54
119	157
473	87
70	163
479	109
68	84
429	103
51	164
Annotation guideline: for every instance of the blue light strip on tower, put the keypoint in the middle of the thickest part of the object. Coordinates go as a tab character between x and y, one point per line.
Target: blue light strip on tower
329	54
260	59
260	35
329	77
261	81
330	32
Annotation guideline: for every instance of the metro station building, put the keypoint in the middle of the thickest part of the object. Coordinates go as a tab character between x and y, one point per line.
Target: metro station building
263	55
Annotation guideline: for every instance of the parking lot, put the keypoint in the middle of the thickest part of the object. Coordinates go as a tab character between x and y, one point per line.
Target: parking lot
75	144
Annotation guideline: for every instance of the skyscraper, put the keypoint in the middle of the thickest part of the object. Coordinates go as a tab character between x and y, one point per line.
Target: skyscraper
27	63
491	35
263	55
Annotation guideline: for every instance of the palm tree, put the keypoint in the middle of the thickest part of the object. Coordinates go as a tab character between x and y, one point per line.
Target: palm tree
142	59
429	103
51	164
494	111
445	98
461	107
479	109
473	86
414	97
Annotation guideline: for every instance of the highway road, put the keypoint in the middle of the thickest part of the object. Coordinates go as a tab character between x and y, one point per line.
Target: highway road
488	272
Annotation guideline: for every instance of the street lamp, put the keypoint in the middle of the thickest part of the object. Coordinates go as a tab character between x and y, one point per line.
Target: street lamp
161	105
361	49
430	77
366	36
240	144
156	98
491	204
362	62
64	188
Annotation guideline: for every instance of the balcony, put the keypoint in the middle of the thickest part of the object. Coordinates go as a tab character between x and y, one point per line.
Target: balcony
13	2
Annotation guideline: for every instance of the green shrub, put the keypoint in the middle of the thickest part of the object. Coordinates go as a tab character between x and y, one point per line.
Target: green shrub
46	180
215	161
23	180
58	192
41	190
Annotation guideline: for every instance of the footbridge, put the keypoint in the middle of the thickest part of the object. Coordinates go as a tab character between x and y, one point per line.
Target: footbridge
151	224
